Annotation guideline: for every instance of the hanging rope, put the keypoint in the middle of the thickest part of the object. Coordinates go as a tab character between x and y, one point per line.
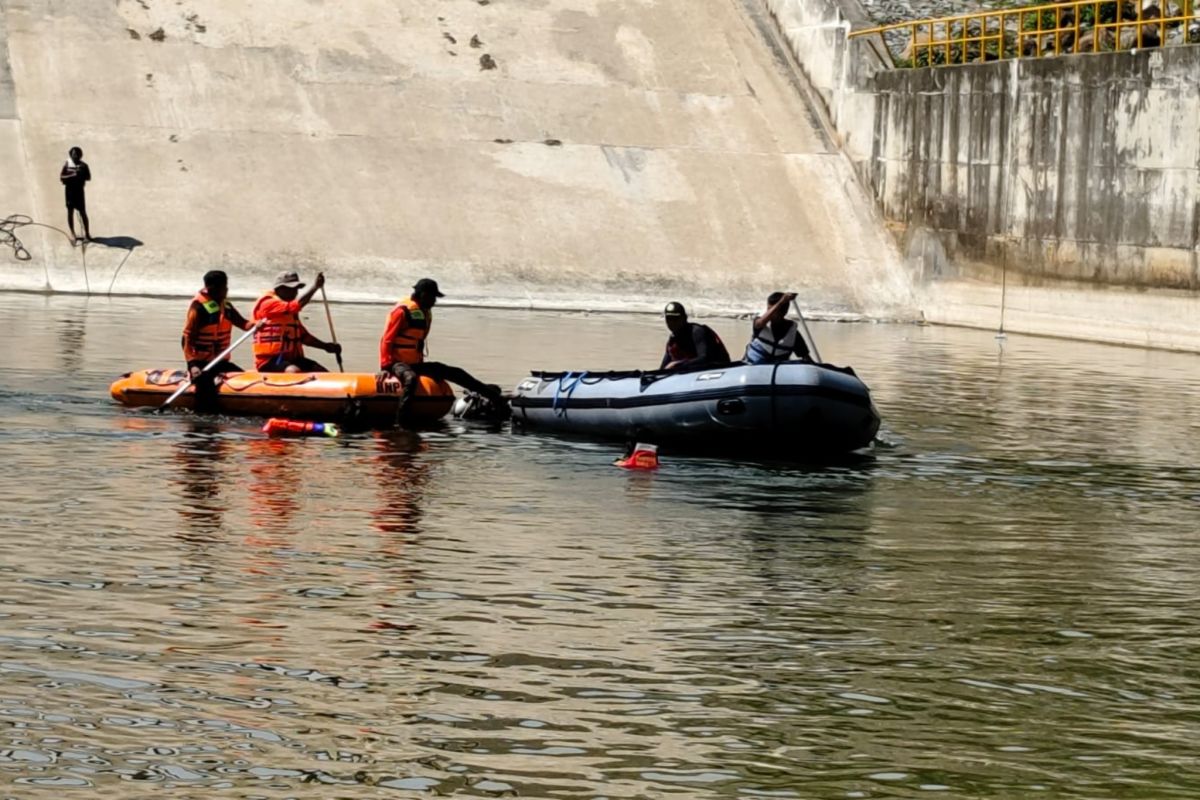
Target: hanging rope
8	238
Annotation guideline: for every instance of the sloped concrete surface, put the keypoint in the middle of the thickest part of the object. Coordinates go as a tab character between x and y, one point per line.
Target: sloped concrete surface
569	152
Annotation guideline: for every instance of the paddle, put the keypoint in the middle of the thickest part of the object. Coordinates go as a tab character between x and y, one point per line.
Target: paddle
807	333
332	333
220	357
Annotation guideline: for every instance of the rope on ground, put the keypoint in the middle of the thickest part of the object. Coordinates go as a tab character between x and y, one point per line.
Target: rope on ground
8	238
8	235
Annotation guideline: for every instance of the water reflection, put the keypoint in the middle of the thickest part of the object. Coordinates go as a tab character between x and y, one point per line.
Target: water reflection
70	334
275	485
201	456
402	468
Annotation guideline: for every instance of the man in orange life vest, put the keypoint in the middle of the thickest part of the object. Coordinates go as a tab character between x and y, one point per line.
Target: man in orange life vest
691	345
402	348
279	344
206	334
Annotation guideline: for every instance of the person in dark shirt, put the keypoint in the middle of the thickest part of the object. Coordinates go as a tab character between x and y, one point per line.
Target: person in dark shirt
691	345
74	174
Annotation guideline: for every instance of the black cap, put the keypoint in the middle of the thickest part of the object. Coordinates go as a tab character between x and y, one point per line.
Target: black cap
215	277
674	309
427	285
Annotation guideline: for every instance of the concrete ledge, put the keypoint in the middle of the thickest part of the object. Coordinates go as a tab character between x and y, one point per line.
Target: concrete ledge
1155	319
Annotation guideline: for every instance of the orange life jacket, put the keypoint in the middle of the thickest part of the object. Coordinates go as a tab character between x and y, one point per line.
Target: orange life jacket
408	345
280	337
210	336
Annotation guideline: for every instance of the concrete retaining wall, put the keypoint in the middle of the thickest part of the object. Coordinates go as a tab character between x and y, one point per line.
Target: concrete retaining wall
1074	181
1085	168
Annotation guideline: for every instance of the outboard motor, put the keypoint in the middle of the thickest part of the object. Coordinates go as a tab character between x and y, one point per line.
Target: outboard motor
472	405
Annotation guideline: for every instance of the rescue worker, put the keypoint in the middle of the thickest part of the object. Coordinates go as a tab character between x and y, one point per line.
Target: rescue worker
775	338
402	349
279	344
691	345
206	334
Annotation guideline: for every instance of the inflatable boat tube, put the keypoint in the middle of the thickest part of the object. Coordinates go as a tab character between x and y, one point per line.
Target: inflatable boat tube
361	399
784	410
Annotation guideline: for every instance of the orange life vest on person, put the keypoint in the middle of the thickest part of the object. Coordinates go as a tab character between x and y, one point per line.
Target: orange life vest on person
280	337
211	335
408	345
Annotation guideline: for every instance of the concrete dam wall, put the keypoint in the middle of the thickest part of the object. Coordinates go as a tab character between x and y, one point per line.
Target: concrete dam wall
610	154
1057	196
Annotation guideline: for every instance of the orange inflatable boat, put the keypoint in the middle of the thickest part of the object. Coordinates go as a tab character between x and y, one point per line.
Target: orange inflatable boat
359	399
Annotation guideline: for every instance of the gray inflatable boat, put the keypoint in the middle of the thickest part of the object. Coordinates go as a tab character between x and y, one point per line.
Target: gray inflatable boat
783	410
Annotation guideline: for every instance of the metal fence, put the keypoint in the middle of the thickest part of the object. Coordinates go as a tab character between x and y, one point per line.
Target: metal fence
1076	26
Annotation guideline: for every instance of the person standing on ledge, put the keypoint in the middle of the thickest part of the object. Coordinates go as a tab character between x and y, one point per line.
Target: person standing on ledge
74	174
691	345
402	349
206	334
775	338
279	344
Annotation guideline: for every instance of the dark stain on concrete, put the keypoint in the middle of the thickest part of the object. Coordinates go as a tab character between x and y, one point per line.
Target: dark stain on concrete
158	36
487	62
1058	176
133	34
552	142
476	42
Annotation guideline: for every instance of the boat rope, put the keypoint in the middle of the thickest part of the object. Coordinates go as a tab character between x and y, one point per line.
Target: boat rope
564	392
270	382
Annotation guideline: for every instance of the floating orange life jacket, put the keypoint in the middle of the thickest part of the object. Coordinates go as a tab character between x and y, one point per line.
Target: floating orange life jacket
210	334
407	346
280	337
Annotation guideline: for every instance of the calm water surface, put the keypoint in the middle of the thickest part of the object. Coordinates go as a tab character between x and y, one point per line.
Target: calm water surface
1000	602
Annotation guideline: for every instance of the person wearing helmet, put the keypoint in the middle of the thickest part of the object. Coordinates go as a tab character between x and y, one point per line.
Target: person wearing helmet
690	345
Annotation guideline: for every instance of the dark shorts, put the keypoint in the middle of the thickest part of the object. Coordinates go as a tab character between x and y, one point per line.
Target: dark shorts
302	364
76	203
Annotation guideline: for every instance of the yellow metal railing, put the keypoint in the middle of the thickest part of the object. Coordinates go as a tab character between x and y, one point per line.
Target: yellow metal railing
1075	26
